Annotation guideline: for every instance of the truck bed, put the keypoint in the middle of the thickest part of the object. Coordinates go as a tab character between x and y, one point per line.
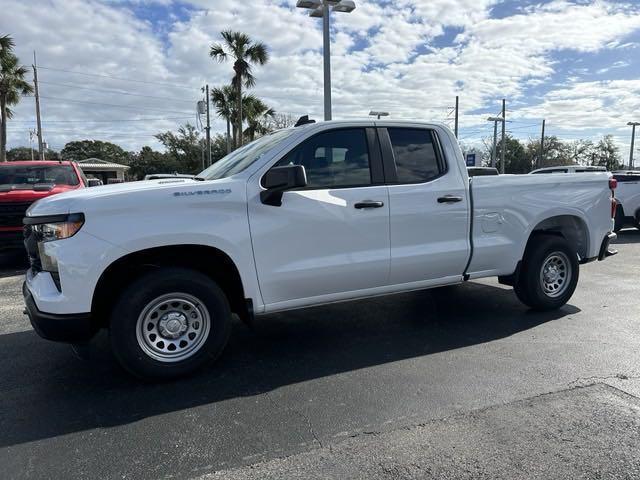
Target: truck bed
507	208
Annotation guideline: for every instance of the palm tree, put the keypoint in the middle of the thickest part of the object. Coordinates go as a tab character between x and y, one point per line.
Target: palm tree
244	52
256	113
12	85
223	100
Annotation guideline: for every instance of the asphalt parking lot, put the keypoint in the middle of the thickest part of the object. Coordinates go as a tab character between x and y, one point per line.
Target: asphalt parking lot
461	382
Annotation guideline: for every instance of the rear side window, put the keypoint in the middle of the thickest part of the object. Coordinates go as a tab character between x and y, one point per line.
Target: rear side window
415	155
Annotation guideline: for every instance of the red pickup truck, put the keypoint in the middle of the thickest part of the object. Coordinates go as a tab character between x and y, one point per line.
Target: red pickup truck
24	182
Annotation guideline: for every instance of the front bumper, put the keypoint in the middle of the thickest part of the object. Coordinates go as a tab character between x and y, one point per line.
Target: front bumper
71	328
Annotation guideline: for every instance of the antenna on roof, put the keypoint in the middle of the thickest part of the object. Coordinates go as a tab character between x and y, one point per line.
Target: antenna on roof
303	121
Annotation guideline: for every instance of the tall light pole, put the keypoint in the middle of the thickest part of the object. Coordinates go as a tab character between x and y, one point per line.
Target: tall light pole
633	126
494	155
322	9
503	145
374	113
541	157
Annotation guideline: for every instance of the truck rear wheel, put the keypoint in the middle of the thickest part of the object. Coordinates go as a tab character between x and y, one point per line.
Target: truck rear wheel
169	323
549	273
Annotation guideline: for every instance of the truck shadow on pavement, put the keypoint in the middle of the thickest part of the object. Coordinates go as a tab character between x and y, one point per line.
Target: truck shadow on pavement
46	391
13	262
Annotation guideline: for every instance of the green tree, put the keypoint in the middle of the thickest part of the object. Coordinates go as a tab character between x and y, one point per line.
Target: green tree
185	148
607	154
244	52
83	149
581	152
279	121
148	161
218	148
24	153
556	153
257	114
223	100
12	86
516	159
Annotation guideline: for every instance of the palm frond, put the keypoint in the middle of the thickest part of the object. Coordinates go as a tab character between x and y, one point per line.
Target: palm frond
258	53
217	52
6	44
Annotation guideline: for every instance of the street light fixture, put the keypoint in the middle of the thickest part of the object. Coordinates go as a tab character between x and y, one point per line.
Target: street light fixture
321	9
633	138
494	153
378	114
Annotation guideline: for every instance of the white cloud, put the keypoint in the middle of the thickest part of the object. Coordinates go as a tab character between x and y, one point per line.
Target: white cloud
386	55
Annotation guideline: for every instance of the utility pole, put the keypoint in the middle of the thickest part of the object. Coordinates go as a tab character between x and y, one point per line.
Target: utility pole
494	152
208	128
504	146
633	126
31	135
456	120
541	157
35	83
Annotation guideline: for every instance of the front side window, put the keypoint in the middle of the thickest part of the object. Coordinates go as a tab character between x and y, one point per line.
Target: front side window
334	159
415	155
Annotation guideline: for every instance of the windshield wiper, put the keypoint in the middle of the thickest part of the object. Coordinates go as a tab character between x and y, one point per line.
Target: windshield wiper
200	179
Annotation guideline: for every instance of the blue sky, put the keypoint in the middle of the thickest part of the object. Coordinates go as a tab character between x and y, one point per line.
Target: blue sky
124	70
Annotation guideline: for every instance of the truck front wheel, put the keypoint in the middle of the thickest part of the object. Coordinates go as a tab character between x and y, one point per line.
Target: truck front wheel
168	323
549	273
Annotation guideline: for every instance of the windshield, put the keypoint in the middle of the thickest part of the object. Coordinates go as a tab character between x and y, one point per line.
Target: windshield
27	175
240	159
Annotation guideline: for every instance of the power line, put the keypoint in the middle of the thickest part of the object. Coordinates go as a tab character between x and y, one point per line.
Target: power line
119	92
115	78
148	119
135	107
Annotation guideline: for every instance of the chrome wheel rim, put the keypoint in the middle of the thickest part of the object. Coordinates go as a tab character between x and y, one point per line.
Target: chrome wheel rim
555	274
173	327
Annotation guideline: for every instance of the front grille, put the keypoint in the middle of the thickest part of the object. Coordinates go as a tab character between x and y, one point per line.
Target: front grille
11	214
31	244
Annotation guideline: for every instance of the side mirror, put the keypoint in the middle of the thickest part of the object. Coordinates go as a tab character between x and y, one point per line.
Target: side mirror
278	180
93	182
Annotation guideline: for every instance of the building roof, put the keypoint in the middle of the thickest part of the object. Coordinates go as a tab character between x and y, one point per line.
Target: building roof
98	163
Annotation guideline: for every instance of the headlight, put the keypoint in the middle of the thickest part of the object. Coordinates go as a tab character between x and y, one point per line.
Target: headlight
56	227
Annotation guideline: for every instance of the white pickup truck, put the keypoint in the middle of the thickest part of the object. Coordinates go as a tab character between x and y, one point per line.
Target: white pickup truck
628	199
319	213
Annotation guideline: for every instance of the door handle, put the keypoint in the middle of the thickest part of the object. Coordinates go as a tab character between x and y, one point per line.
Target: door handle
449	199
369	204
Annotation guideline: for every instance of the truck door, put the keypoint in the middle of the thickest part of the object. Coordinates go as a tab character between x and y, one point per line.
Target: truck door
429	208
331	237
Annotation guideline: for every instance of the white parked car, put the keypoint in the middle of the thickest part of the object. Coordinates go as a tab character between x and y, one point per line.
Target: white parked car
319	213
628	198
570	169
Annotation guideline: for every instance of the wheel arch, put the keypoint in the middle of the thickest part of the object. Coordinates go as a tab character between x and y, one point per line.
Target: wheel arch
571	227
208	260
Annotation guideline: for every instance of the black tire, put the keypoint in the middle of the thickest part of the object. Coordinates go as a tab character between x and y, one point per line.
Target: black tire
209	307
521	293
553	291
619	220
